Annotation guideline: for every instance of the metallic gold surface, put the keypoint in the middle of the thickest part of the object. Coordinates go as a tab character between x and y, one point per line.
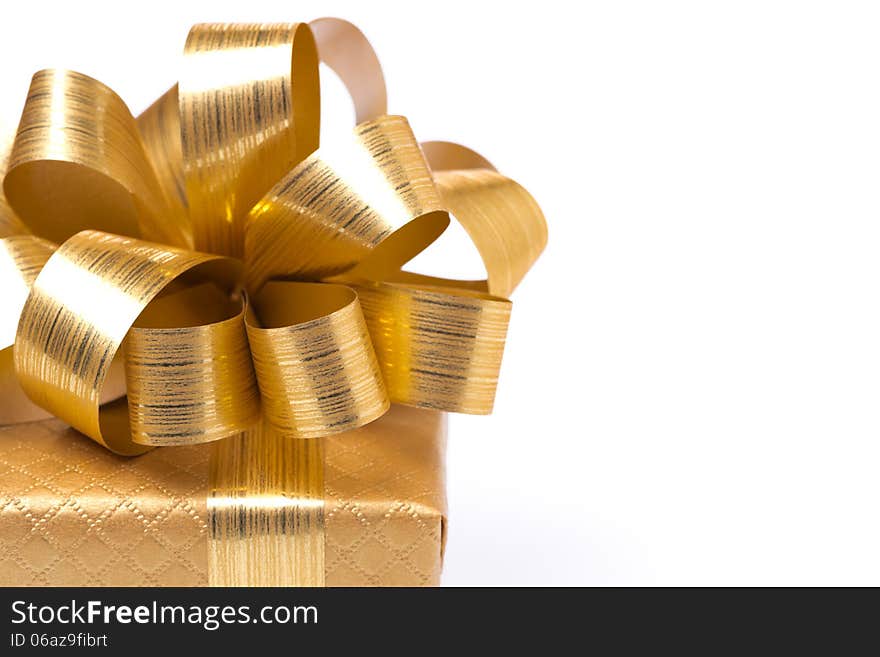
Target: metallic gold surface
315	364
249	112
21	258
345	49
385	501
79	311
225	159
372	195
266	506
503	220
10	224
73	514
298	321
437	349
448	156
159	127
189	384
78	163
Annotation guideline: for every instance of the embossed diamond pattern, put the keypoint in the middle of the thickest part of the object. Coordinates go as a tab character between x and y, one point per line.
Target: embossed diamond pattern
78	515
385	501
72	513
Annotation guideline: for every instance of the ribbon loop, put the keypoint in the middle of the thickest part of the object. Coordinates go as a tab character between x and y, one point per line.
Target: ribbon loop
503	220
249	111
78	163
10	224
189	384
79	311
500	216
315	364
21	258
159	127
437	349
331	330
345	49
372	193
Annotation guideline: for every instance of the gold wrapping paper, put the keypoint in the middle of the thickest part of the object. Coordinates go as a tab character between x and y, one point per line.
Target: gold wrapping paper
72	513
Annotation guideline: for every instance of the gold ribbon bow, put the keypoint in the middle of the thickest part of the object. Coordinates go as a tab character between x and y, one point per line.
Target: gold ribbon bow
210	260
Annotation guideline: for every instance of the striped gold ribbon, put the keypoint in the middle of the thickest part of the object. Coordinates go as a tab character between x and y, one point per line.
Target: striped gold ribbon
238	280
266	510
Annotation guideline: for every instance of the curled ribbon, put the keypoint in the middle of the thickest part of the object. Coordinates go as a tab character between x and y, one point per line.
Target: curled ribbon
182	276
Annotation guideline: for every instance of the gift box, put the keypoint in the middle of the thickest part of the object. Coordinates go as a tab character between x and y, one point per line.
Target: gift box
74	514
244	385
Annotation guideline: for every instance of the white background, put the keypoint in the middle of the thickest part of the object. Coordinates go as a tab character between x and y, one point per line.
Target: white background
690	389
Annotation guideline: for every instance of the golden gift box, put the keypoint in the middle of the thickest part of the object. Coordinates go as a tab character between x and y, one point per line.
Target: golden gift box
220	304
73	514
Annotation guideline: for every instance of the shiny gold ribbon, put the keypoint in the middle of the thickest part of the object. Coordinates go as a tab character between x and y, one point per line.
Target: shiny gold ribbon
236	279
